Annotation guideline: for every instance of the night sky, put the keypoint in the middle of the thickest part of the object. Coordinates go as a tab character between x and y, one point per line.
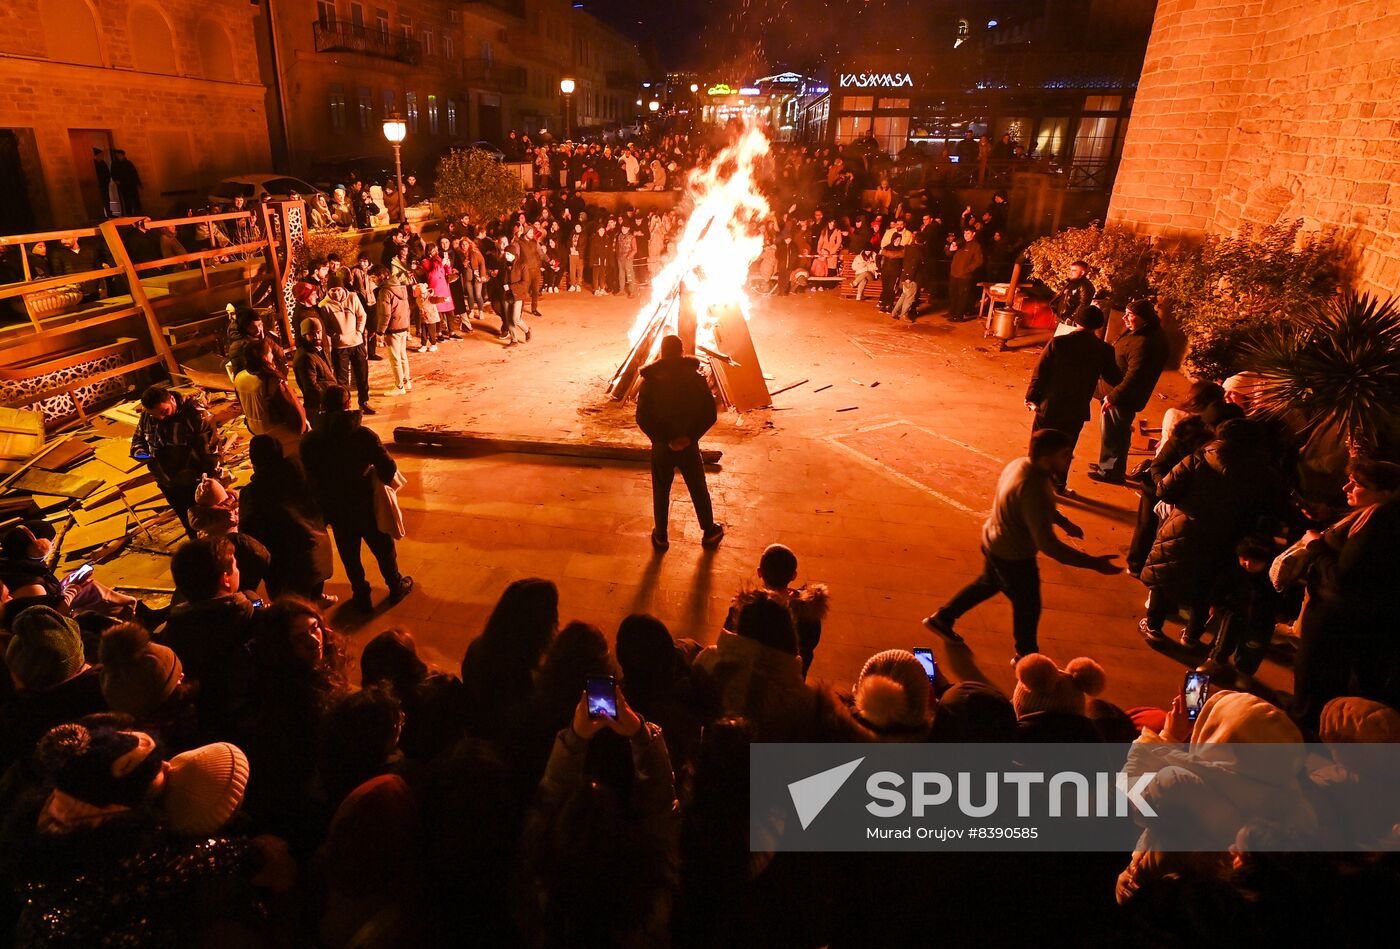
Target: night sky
750	36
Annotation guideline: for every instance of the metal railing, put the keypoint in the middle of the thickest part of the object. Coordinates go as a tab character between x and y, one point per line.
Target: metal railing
515	8
494	75
343	36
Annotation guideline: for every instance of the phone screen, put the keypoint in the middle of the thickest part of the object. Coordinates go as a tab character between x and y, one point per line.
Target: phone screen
1194	693
77	576
142	456
925	657
602	697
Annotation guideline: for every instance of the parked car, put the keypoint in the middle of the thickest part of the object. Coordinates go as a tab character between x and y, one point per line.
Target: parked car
490	149
254	187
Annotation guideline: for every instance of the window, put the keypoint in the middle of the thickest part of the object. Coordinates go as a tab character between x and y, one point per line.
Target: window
325	12
432	115
411	102
1094	141
357	17
389	107
215	51
365	104
892	132
381	21
894	103
427	42
486	52
338	107
406	26
857	103
851	127
449	48
156	52
451	116
1103	103
70	32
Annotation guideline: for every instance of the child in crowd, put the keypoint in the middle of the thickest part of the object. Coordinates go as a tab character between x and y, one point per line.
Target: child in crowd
777	569
428	318
1245	607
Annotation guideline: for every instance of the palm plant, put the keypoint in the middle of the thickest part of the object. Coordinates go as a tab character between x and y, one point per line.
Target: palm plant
1336	368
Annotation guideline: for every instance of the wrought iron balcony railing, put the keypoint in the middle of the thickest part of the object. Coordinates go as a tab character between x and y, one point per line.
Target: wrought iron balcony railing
342	36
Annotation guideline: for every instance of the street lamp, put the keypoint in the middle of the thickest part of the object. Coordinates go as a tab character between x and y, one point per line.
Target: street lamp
396	130
654	106
566	86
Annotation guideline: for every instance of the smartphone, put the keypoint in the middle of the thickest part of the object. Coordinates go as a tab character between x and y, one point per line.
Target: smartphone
925	657
77	576
142	455
1194	692
602	697
259	604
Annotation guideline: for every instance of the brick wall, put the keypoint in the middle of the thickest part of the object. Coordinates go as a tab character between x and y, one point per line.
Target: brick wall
1256	110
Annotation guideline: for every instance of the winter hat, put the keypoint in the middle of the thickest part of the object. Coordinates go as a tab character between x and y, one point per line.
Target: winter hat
308	325
137	675
19	538
893	690
974	711
1354	719
1042	686
203	788
102	766
210	492
1247	384
46	651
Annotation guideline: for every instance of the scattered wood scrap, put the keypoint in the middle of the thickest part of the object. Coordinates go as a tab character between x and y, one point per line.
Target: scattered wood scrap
474	443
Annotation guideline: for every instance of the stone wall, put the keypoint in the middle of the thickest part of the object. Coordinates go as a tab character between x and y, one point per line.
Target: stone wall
172	82
1257	110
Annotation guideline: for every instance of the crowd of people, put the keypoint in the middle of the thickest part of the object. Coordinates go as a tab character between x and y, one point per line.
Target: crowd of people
230	770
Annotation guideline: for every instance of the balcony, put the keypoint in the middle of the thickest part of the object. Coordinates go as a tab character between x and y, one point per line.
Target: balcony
500	77
342	36
510	8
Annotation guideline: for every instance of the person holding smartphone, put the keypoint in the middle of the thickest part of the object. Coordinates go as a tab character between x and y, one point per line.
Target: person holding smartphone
179	443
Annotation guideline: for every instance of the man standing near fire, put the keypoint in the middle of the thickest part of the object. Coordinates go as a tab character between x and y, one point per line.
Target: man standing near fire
674	409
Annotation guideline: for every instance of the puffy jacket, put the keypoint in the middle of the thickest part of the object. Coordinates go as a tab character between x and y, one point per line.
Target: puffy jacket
345	318
393	312
675	401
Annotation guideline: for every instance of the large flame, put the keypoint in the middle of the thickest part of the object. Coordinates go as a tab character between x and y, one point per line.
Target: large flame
722	237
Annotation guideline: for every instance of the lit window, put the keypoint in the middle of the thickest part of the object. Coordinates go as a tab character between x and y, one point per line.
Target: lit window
338	107
411	103
432	115
451	116
365	107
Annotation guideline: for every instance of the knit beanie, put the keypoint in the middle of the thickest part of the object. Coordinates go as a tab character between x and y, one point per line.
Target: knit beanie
203	788
893	690
308	326
1042	686
102	766
210	492
46	651
18	539
137	675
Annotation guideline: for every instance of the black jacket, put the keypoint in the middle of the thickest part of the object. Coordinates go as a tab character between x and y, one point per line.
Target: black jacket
211	639
1071	302
675	401
336	458
314	375
181	447
1069	370
1141	355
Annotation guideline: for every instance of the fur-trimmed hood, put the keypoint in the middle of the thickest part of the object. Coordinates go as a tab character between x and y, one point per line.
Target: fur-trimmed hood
809	603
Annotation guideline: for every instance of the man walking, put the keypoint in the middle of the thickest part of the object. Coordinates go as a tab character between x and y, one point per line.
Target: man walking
674	409
1141	352
338	458
1077	296
1064	380
177	440
346	321
1022	525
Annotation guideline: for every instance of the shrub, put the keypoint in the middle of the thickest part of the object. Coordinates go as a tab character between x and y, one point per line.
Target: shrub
1336	367
1118	259
318	245
471	182
1226	290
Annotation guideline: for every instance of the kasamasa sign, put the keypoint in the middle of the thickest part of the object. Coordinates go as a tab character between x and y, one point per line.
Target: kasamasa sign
875	80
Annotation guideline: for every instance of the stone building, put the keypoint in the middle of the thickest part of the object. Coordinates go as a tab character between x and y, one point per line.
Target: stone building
456	71
1261	110
173	83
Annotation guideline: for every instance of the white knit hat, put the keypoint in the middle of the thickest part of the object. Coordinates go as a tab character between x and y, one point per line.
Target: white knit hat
893	690
203	788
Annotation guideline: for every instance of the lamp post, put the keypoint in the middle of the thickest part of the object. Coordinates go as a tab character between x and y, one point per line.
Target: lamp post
694	104
566	86
396	130
653	106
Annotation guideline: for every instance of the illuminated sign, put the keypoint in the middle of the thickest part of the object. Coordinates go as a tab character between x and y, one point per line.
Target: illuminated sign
749	91
722	89
875	80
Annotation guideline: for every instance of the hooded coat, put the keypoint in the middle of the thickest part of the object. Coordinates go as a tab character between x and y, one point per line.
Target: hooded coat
345	318
1203	795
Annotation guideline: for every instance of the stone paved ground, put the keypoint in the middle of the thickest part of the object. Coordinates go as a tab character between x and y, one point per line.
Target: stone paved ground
883	503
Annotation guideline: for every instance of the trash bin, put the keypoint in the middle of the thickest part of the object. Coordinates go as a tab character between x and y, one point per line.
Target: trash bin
1004	320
